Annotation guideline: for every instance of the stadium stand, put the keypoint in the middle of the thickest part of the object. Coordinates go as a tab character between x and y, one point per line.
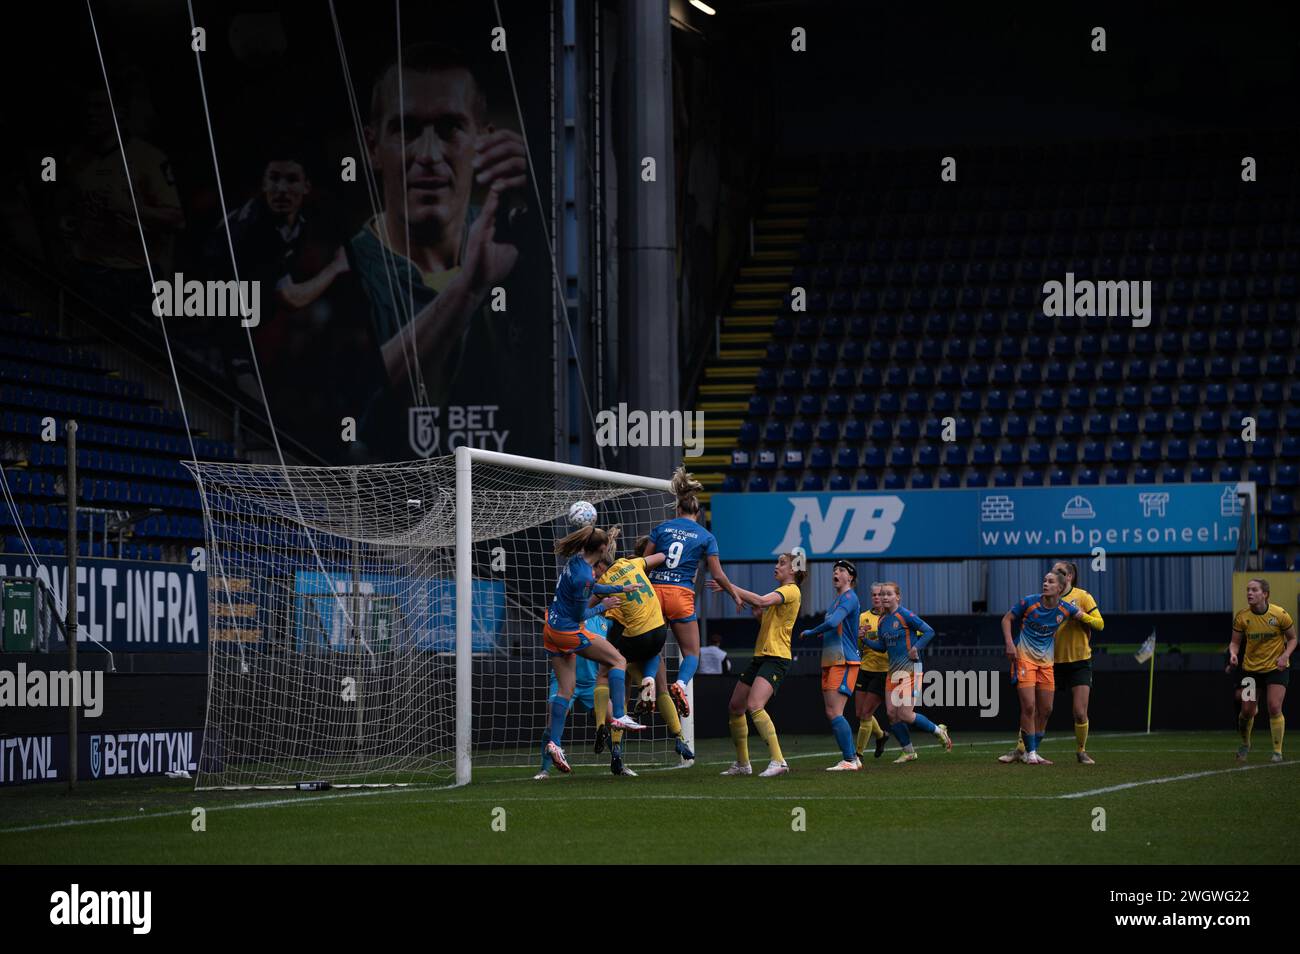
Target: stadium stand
127	456
922	305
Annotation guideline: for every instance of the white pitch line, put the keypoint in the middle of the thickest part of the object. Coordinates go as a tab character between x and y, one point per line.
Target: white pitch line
144	816
1172	778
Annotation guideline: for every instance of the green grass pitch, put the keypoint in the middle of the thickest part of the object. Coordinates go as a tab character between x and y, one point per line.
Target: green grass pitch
1168	797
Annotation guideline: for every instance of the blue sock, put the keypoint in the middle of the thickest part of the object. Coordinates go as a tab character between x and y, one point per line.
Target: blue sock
844	736
559	712
687	671
546	758
650	669
1031	741
923	723
899	729
618	691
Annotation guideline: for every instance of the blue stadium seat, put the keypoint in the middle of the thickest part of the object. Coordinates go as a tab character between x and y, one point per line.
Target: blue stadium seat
813	482
868	482
1281	505
1202	475
1171	474
1288	475
894	481
1116	475
1004	478
1259	474
785	484
874	458
948	480
801	432
1144	475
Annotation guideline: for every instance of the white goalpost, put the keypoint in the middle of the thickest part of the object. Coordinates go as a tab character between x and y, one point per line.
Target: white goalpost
382	624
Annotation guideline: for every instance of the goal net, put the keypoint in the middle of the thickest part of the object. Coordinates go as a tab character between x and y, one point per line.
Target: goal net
336	649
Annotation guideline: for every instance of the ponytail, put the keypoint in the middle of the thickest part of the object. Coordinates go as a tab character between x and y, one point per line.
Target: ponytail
685	488
587	539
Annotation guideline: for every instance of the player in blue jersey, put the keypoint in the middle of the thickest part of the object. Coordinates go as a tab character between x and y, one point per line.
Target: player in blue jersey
586	673
687	545
565	632
583	694
901	635
840	659
1032	655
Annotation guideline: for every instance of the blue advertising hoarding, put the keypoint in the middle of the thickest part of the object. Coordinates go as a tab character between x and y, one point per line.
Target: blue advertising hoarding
418	614
126	605
984	522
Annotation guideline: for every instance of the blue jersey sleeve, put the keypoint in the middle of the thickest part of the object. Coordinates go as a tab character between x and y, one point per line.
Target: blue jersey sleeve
1018	611
712	548
834	616
922	627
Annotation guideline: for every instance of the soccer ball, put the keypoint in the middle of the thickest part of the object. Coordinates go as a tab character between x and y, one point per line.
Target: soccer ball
582	514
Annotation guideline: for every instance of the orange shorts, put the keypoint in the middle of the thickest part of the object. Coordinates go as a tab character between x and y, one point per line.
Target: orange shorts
1034	674
678	602
903	687
565	642
840	678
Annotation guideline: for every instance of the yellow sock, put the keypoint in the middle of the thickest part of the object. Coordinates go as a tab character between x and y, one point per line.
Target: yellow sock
1020	745
865	734
616	736
1245	726
668	712
765	728
1081	734
1277	724
876	731
601	698
740	735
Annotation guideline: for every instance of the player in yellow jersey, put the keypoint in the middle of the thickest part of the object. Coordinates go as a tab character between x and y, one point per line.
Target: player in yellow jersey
870	692
777	612
1073	666
638	631
1270	637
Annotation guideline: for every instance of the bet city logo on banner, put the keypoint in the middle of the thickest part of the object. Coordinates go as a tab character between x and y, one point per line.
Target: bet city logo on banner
471	425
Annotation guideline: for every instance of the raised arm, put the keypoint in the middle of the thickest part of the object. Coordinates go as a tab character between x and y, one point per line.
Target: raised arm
836	616
715	571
